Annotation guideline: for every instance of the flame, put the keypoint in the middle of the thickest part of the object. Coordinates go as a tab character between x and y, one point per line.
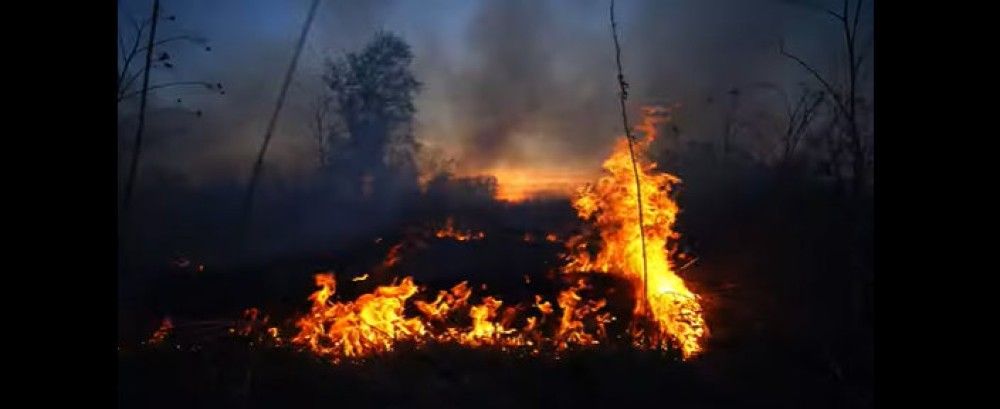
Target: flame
362	277
449	232
370	324
611	205
376	322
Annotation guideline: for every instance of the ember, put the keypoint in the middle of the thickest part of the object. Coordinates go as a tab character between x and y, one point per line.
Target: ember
162	332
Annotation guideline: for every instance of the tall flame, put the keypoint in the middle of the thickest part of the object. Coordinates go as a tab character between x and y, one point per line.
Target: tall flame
611	205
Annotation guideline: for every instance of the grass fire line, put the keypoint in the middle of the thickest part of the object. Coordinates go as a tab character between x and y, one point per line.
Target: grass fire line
377	322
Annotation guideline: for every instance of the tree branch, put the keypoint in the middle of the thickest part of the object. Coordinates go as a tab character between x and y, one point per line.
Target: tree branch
193	39
833	92
167	85
857	13
139	28
635	167
128	84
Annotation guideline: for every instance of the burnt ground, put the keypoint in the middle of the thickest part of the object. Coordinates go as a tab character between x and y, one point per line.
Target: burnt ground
785	269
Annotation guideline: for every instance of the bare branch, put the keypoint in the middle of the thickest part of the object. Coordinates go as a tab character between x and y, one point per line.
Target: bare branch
635	169
171	84
121	45
833	92
139	28
122	90
857	13
259	163
193	39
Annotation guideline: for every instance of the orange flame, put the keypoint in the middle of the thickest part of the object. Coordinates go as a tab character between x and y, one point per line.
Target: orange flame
611	205
370	324
374	323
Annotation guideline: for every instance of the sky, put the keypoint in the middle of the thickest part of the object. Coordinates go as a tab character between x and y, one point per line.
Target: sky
512	87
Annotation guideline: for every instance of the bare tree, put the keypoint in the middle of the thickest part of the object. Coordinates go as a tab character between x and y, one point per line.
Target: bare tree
845	100
128	74
137	148
129	71
799	119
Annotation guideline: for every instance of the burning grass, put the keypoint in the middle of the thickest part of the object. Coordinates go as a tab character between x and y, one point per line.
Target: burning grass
666	314
662	314
611	206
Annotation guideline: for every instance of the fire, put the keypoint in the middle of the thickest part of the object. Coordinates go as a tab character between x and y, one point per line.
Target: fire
449	231
611	205
376	322
667	312
370	324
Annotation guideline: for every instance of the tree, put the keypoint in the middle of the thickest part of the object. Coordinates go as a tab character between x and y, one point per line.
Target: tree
371	100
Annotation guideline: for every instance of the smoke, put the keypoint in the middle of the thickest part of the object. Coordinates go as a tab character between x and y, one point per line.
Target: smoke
516	83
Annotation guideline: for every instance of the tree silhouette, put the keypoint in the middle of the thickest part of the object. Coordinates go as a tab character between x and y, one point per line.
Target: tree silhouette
128	74
371	100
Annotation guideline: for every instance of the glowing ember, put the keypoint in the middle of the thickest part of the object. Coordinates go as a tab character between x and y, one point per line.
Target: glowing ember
393	257
162	332
611	205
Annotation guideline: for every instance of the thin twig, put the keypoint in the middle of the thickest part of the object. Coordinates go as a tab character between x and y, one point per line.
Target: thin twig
248	202
166	85
635	168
